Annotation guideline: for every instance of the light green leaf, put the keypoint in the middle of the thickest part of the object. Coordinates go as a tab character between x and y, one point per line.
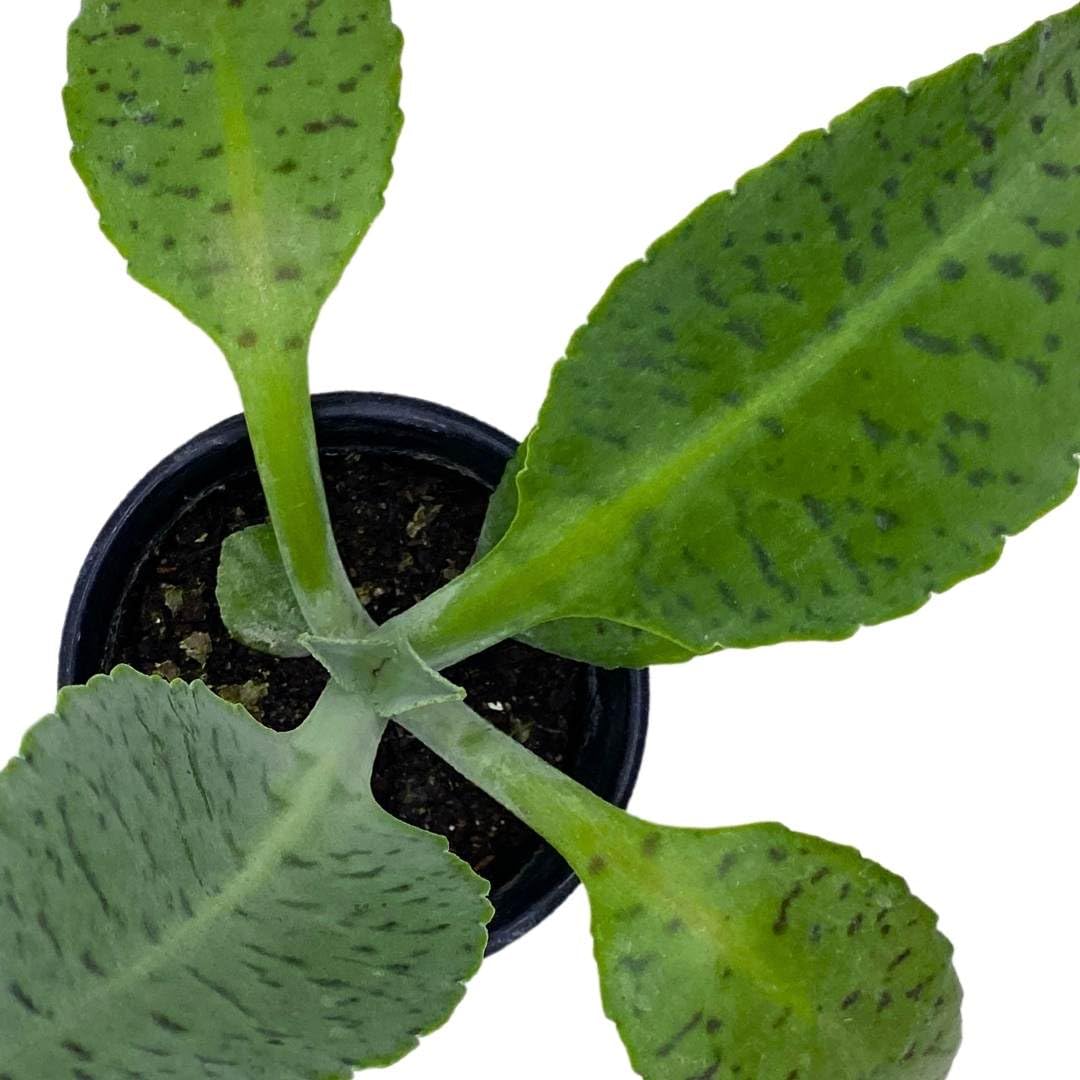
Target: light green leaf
749	952
596	641
254	595
821	398
186	893
237	150
758	952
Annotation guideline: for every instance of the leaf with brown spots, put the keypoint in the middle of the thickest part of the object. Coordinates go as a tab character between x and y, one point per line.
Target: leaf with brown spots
751	439
237	152
756	951
186	893
741	952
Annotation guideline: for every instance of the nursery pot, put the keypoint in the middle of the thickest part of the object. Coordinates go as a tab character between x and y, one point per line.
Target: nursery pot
407	483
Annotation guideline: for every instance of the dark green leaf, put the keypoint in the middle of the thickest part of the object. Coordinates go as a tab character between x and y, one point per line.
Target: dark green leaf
821	398
186	893
237	151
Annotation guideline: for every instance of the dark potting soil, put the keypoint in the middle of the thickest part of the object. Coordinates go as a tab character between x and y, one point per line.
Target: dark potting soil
404	526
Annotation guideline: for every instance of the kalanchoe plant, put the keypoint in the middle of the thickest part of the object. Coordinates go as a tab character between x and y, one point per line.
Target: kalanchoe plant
821	398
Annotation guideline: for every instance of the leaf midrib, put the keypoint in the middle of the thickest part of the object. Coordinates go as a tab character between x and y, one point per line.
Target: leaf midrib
313	793
686	900
248	217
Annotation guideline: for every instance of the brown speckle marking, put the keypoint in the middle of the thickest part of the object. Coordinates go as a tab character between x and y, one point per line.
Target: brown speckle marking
287	273
1047	286
898	960
780	925
681	1034
597	864
726	864
248	339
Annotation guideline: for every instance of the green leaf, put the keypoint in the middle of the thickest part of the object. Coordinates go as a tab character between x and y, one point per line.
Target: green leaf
822	397
596	641
186	893
748	951
756	951
237	150
256	600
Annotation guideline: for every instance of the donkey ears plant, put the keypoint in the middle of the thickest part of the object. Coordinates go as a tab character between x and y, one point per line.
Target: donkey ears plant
816	401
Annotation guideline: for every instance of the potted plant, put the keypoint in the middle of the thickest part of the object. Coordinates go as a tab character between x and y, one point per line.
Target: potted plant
408	484
816	401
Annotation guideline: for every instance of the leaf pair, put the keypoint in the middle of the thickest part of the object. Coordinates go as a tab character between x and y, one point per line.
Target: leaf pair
821	398
188	893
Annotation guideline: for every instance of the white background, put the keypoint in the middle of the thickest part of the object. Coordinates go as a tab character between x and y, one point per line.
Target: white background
545	146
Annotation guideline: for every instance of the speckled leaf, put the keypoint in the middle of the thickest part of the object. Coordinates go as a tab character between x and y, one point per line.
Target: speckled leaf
185	893
822	397
237	149
757	952
254	595
748	952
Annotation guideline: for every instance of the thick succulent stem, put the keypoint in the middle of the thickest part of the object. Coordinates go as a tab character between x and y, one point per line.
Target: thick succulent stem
277	406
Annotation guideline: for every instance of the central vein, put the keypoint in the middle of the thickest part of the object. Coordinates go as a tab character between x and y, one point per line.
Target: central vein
248	217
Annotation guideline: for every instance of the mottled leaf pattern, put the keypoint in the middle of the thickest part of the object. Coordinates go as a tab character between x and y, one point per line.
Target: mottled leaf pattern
757	952
822	397
254	595
237	150
185	893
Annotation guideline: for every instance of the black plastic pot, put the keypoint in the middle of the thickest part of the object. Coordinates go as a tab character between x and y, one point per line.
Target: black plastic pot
617	713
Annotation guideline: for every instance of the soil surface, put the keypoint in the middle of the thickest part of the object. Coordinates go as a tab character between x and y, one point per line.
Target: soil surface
404	526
